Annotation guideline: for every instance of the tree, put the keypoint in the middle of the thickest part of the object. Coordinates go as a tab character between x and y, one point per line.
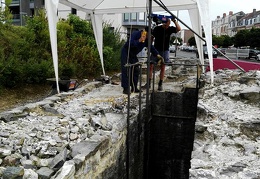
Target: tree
254	38
228	41
241	38
222	41
192	41
217	40
25	51
173	40
111	45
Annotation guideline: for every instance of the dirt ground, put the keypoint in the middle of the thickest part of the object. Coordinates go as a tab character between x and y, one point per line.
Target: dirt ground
11	98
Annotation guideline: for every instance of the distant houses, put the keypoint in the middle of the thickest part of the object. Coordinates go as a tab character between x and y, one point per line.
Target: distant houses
233	22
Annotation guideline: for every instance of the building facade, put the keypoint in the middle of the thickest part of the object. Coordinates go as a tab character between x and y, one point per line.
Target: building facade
221	24
22	8
230	24
249	21
232	27
185	35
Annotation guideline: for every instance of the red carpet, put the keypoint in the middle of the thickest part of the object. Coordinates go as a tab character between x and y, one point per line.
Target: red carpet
219	63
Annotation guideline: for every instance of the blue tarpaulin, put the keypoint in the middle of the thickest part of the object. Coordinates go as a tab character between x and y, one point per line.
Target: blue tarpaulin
160	18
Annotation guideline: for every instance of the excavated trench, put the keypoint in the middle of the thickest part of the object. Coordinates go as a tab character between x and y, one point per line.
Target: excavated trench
169	130
162	146
171	133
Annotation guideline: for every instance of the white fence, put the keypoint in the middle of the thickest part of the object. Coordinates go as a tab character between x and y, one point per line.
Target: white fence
237	53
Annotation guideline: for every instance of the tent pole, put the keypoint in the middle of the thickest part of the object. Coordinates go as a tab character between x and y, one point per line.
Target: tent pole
165	8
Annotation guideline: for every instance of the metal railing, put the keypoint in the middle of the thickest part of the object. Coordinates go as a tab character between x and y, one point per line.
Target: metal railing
237	53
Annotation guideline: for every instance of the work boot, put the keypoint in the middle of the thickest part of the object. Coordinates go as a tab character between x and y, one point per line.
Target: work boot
125	91
136	91
160	87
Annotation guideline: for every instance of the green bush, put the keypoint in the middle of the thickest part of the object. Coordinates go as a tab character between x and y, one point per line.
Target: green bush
26	57
11	73
112	48
37	72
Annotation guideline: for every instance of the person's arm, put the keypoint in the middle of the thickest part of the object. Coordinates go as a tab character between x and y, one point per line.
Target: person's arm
178	27
154	52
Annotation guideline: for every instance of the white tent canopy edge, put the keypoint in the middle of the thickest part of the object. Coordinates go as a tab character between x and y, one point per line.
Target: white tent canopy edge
52	7
198	11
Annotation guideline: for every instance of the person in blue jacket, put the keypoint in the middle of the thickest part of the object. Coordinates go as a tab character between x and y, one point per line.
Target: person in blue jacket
135	44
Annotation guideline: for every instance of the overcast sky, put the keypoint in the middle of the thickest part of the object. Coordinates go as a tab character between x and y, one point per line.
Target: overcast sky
218	7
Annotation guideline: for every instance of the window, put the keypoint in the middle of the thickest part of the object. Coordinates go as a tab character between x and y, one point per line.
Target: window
133	16
32	12
126	17
141	16
73	11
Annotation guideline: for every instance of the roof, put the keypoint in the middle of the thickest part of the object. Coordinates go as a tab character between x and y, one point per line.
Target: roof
251	15
124	6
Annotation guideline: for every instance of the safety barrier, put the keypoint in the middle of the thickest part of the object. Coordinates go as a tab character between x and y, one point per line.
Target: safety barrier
237	53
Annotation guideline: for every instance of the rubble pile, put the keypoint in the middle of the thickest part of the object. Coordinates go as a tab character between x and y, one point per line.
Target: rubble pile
228	127
37	139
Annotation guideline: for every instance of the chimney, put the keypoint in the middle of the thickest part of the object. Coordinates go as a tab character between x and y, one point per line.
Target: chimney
254	11
224	15
230	13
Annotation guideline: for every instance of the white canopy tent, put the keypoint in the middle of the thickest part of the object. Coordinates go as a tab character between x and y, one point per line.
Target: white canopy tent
198	11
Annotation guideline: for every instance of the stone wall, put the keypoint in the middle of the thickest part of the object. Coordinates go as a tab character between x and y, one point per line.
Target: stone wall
78	134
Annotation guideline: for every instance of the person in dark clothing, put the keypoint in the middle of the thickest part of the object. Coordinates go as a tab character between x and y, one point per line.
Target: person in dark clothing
137	41
162	34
